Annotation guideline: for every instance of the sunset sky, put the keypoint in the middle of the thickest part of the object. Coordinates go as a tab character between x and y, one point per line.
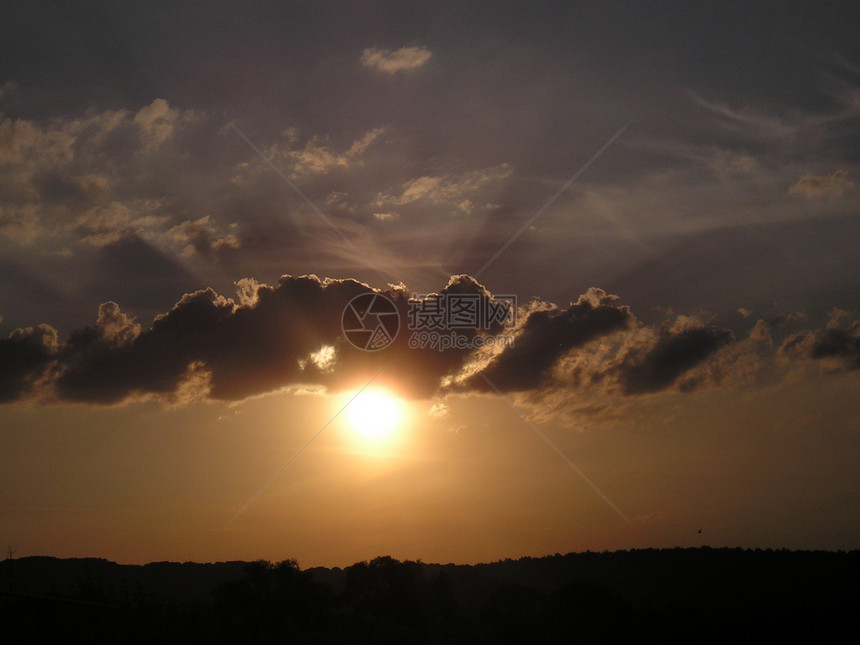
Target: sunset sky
192	193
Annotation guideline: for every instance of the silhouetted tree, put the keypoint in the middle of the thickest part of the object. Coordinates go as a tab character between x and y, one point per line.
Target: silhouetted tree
387	601
588	613
513	614
272	603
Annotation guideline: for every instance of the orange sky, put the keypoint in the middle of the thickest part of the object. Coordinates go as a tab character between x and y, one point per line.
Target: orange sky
750	467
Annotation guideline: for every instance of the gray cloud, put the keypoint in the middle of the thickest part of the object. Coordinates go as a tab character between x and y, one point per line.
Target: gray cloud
264	342
842	344
546	336
24	358
672	355
836	346
290	335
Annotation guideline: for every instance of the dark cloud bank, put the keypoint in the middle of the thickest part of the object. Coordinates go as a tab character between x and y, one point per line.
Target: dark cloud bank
289	335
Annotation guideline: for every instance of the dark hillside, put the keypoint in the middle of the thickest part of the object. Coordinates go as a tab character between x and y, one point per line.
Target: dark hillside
714	594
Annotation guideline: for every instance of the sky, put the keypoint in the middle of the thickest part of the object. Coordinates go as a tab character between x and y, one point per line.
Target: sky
661	200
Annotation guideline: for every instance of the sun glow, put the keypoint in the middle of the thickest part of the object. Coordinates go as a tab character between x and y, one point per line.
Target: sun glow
374	415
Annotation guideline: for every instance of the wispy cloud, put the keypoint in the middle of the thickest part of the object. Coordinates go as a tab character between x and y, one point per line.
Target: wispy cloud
458	192
80	178
834	185
398	60
316	156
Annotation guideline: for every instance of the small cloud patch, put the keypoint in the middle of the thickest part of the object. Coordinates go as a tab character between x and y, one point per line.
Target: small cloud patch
835	185
393	61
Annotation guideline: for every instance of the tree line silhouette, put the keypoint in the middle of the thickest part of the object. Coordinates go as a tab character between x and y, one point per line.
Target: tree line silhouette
700	595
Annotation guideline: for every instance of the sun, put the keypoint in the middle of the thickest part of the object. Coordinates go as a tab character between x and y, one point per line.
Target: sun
374	415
